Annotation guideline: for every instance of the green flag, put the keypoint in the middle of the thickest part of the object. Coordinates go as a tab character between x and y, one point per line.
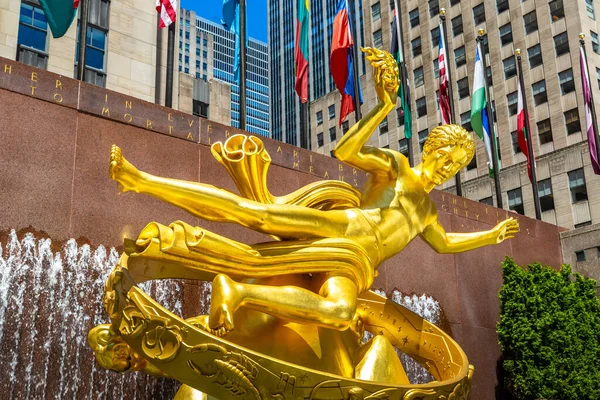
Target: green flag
404	88
60	14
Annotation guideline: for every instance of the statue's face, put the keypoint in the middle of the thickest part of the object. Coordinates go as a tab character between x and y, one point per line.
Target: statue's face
120	357
443	163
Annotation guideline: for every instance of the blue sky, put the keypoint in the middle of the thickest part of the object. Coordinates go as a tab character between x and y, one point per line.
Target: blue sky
211	9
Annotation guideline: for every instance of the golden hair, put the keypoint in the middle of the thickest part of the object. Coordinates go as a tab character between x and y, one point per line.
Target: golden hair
449	135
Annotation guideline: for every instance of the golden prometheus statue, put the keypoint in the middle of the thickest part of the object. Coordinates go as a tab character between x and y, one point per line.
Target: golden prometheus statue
287	316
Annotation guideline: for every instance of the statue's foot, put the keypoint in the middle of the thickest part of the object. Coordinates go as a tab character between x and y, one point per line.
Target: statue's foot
201	322
224	302
122	171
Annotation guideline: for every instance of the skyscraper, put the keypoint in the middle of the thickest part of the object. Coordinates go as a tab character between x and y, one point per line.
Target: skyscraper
285	106
196	34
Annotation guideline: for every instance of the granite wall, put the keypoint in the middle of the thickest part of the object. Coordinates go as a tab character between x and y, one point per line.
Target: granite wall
56	135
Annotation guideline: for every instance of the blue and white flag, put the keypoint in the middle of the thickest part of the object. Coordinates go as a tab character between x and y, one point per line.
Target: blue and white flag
231	22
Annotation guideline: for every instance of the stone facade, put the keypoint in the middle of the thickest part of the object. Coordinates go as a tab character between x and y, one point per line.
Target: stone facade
564	153
581	250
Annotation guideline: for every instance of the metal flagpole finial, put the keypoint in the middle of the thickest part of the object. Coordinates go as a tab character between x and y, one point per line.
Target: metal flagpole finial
582	36
443	12
518	52
481	32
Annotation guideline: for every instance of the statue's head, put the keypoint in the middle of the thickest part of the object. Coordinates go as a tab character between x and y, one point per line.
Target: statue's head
447	150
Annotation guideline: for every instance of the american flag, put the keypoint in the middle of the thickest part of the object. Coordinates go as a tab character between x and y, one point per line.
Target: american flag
167	10
443	67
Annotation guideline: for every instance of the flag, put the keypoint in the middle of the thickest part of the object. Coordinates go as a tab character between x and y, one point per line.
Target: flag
587	101
167	10
302	50
479	118
404	88
444	80
342	58
523	134
231	22
60	15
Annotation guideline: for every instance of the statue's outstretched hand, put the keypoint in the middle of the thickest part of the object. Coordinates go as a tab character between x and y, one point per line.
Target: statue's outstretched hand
506	229
385	73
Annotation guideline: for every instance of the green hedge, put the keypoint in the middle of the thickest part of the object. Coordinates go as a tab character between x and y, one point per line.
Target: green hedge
549	331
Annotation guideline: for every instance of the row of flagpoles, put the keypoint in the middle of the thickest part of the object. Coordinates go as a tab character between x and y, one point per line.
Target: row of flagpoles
346	78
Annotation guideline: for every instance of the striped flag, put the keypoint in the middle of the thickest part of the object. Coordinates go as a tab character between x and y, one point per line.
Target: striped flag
589	118
404	87
167	10
444	80
523	134
342	59
479	118
302	50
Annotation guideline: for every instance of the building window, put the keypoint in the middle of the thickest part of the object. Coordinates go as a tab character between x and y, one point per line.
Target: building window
345	127
403	147
512	100
419	78
383	126
510	67
435	37
421	107
486	45
598	76
416	47
530	21
437	99
572	121
479	14
561	44
414	18
595	44
473	163
187	59
589	6
422	138
539	92
515	201
400	116
545	131
95	52
567	84
457	25
465	121
460	58
545	195
319	117
580	256
577	186
506	34
515	142
204	42
32	39
331	111
487	200
200	109
320	139
489	75
434	7
534	53
436	68
454	2
376	11
463	87
501	5
332	134
557	11
377	40
204	54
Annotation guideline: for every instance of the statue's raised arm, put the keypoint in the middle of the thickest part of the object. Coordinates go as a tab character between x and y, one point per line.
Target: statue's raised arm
351	148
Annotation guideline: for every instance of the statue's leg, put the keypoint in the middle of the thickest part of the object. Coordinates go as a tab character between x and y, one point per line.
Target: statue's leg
377	361
211	203
333	307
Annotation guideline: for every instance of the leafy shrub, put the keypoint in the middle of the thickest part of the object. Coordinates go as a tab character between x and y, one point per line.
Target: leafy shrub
549	331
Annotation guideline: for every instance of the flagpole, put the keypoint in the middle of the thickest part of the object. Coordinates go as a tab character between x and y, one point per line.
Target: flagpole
170	62
403	74
83	20
450	90
536	194
593	107
304	125
488	109
357	113
242	64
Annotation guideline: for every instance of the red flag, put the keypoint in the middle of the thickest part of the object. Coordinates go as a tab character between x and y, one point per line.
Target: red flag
168	12
443	68
522	134
75	3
